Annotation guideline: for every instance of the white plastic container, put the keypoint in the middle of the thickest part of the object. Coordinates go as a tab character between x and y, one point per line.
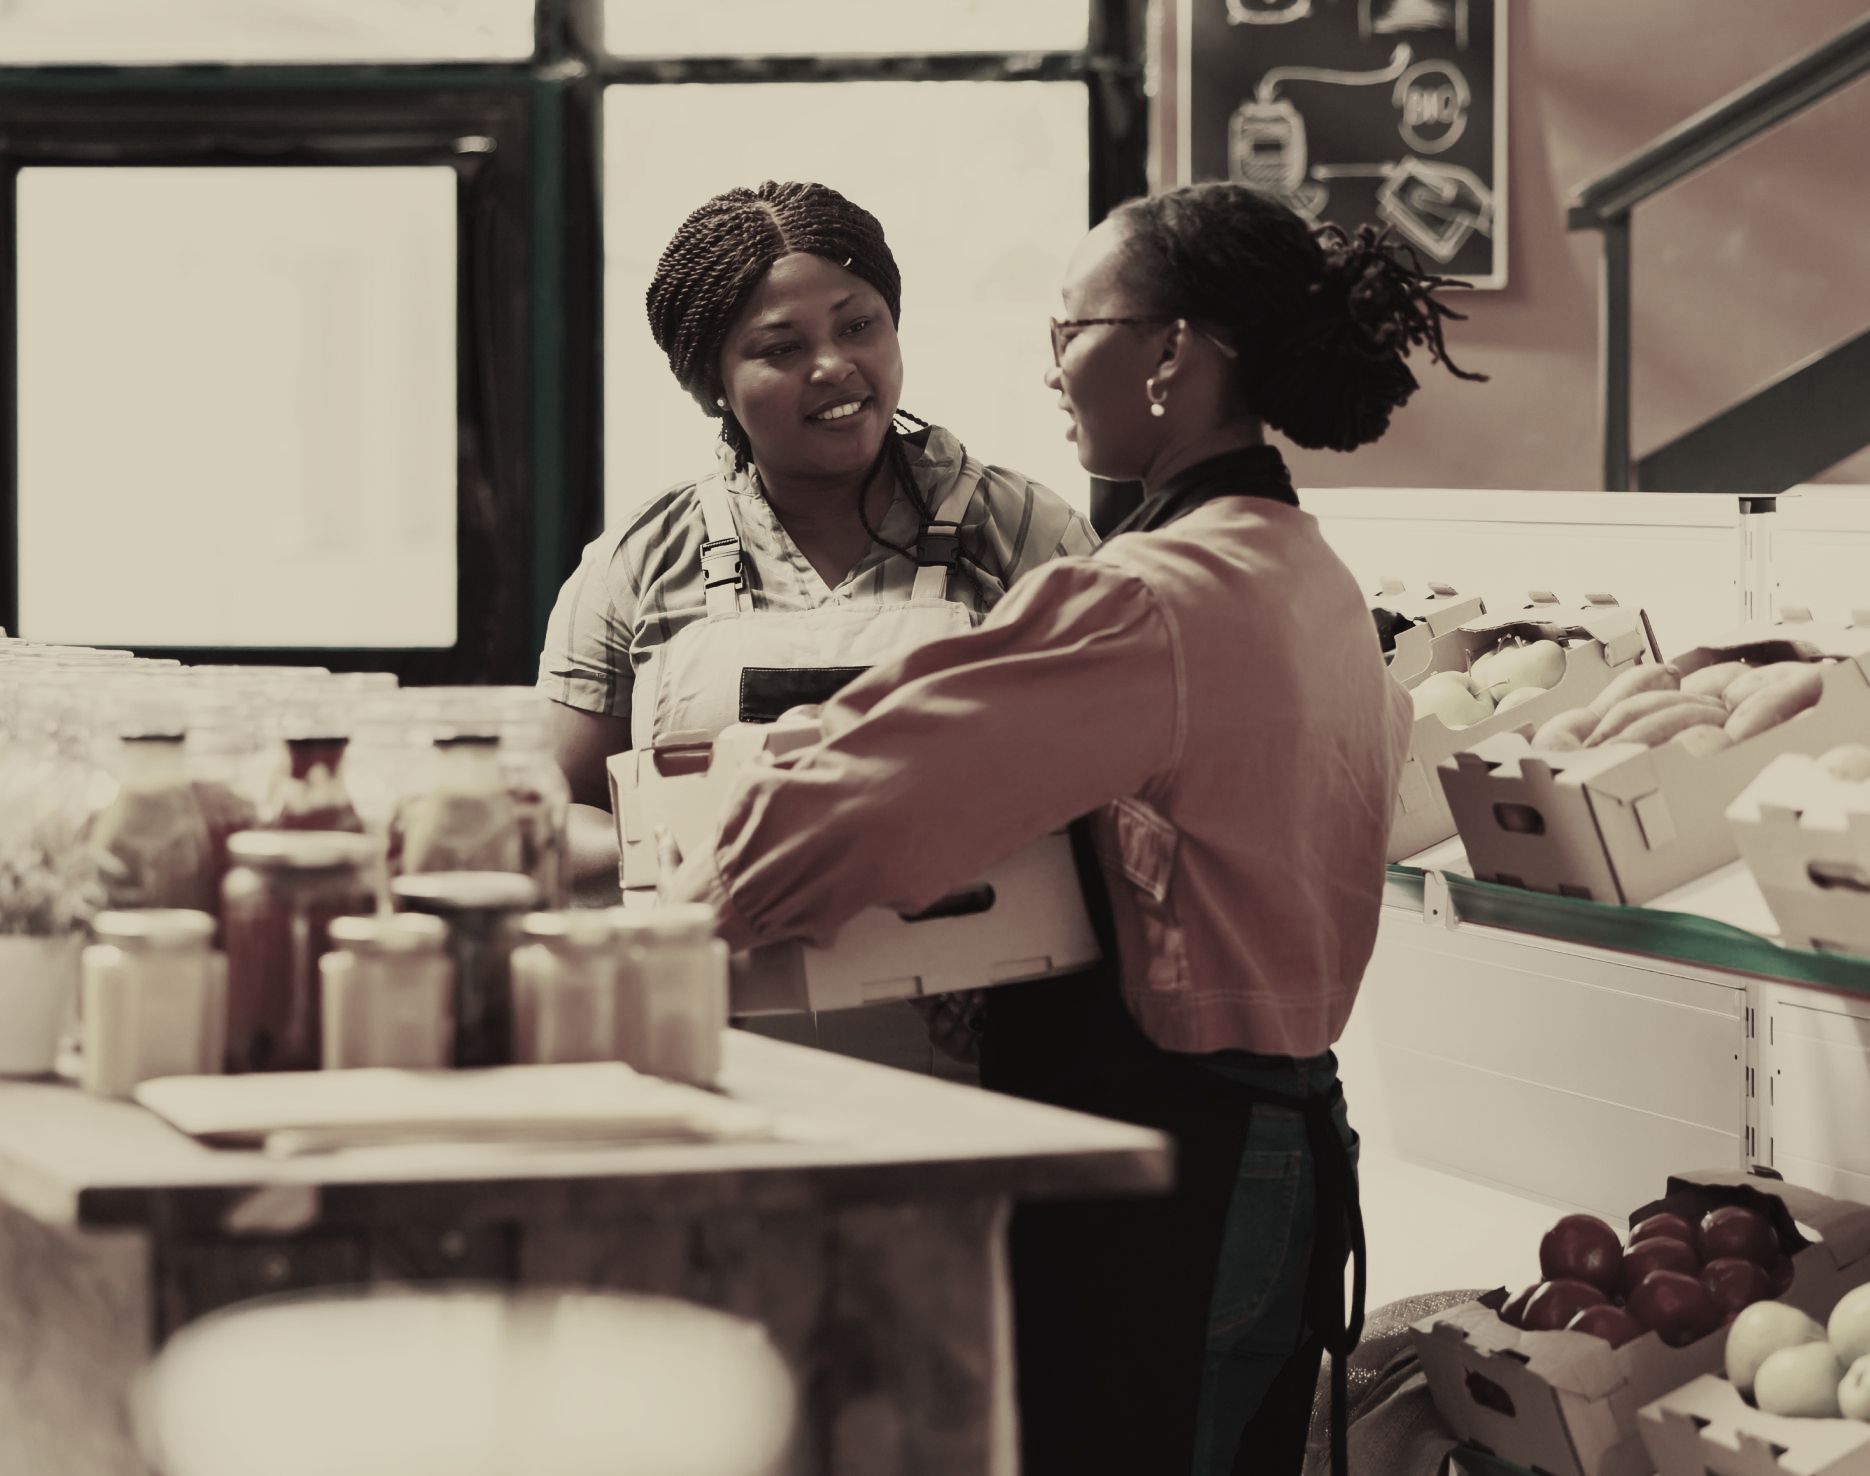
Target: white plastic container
672	995
565	984
388	995
155	999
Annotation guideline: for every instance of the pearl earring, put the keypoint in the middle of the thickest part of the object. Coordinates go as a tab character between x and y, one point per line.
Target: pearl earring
1158	398
720	404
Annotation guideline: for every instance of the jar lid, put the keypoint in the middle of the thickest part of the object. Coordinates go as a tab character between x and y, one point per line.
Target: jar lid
398	931
466	891
303	850
584	927
680	922
155	927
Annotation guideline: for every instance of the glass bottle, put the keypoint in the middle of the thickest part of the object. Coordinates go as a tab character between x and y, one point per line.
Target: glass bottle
388	995
278	901
565	988
482	910
154	841
672	996
155	999
463	818
541	797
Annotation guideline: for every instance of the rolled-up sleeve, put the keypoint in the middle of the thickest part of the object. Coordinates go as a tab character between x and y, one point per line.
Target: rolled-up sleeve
585	662
941	763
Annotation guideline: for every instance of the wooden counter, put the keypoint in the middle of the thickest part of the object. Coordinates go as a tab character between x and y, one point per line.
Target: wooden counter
868	1239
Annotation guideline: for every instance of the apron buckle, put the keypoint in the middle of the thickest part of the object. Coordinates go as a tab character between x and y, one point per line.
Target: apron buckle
939	542
720	563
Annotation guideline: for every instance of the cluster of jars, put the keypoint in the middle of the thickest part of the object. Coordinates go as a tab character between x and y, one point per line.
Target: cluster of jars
396	856
463	972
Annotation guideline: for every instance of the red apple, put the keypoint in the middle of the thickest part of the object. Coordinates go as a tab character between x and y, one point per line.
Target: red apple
1614	1325
1658	1253
1734	1283
1675	1306
1581	1248
1781	1273
1556	1302
1513	1314
1666	1224
1735	1230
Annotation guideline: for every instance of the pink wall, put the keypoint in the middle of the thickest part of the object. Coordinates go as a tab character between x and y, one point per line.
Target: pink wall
1740	272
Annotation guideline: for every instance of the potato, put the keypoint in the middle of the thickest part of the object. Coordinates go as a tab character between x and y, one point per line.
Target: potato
1758	679
1848	761
1647	678
1567	730
1773	704
1661	726
1702	739
1648	704
1712	681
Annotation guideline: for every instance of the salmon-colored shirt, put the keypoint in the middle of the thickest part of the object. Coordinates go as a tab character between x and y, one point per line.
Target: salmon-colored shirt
1213	689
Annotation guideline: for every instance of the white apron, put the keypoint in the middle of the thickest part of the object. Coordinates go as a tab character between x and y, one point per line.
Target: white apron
747	665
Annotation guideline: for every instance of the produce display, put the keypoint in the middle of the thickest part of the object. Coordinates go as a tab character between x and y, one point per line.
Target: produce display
1511	674
1679	1280
1785	1363
1707	710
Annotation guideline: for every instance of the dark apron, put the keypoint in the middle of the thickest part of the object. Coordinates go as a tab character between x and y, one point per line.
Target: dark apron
1111	1362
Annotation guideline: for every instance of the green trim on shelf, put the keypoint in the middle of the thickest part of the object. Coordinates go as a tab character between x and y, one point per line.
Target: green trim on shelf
1478	1463
1403	886
1677	936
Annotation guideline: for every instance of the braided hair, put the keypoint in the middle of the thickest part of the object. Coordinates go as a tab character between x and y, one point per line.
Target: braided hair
716	261
1323	319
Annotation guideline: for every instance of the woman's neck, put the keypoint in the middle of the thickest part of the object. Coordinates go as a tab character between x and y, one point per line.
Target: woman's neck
825	502
1180	453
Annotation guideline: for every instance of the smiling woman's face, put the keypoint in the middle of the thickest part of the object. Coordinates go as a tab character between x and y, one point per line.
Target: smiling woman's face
812	370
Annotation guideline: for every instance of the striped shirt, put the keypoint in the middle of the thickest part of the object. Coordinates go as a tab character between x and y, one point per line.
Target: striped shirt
634	589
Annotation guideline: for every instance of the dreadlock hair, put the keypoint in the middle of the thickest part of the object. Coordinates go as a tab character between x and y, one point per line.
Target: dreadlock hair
1323	319
714	263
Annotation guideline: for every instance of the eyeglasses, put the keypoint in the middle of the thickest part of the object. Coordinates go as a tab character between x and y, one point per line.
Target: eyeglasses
1061	337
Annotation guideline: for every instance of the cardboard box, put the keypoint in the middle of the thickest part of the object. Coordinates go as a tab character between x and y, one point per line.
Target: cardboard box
1805	836
1625	823
1568	1403
1024	919
1436	609
1705	1428
1600	639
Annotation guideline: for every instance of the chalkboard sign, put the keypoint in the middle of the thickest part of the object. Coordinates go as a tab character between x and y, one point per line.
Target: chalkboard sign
1388	111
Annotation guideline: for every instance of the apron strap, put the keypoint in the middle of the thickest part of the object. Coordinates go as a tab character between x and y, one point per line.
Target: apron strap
721	570
938	545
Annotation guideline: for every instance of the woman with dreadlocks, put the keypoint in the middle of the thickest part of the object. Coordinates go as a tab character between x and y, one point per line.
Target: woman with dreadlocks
1204	700
836	531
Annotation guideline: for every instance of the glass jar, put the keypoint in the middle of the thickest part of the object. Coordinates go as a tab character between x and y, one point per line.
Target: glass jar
672	995
224	766
461	818
156	849
280	896
565	988
310	792
388	993
482	910
541	797
155	999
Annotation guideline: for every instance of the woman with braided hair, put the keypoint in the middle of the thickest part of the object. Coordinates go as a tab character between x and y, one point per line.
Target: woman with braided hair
1203	700
834	532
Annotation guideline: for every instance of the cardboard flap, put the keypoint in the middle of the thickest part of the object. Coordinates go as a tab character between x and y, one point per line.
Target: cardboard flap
1706	1426
1574	1362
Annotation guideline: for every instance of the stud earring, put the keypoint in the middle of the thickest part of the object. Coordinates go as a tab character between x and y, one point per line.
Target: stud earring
1158	398
721	403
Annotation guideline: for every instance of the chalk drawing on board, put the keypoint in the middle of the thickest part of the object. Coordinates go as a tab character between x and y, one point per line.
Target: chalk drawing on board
1266	143
1432	100
1266	12
1435	207
1389	17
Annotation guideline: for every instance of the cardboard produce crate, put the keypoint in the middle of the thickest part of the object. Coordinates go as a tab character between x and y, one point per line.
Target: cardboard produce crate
1436	609
1024	919
1601	639
1568	1404
1805	836
1625	823
1705	1428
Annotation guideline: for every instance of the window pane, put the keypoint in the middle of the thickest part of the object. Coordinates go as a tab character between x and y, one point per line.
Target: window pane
237	406
981	187
840	27
129	32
